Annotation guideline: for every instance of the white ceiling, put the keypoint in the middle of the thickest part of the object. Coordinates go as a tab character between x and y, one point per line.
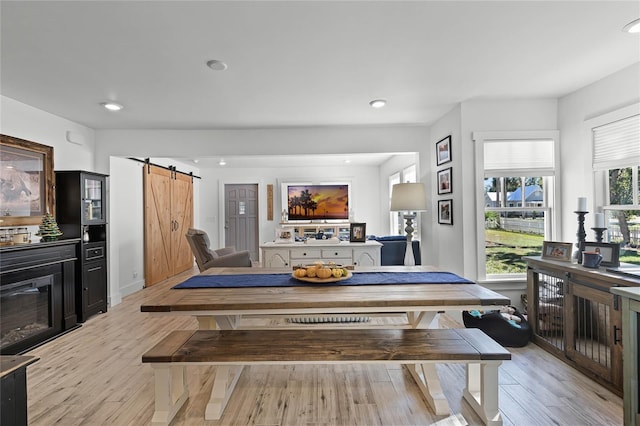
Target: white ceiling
301	63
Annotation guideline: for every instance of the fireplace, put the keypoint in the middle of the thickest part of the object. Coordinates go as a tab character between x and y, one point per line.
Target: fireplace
35	281
27	310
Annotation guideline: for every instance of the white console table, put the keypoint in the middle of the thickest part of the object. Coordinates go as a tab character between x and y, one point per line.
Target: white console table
278	255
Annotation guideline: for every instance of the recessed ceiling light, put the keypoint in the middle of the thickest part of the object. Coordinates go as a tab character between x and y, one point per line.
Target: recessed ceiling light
632	27
195	160
112	106
347	161
216	65
222	162
378	103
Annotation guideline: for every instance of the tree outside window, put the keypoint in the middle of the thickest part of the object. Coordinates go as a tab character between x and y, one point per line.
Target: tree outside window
623	214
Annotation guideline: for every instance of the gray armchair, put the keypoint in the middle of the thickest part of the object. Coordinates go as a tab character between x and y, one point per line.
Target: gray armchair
207	258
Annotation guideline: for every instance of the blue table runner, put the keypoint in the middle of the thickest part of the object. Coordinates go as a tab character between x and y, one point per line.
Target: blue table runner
286	280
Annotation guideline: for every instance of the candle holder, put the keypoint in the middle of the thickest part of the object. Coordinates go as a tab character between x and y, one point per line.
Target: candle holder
599	233
581	234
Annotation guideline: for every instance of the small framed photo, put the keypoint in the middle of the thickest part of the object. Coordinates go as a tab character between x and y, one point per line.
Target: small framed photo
444	181
284	235
443	150
610	252
556	251
357	233
445	212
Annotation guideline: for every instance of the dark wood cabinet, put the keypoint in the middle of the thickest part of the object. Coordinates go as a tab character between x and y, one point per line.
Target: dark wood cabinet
13	372
37	293
574	316
94	280
81	212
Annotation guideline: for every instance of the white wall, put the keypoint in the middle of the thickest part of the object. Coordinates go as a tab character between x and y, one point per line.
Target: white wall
443	244
365	196
609	94
271	141
25	122
126	267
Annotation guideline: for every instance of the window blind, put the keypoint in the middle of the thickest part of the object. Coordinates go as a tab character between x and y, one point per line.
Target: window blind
528	157
617	144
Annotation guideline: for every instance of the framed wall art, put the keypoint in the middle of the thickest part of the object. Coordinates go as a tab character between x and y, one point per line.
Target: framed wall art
26	181
284	235
556	251
444	181
357	232
610	252
445	212
443	150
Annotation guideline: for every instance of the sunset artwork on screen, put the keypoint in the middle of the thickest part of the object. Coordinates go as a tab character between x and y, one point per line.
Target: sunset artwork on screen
312	202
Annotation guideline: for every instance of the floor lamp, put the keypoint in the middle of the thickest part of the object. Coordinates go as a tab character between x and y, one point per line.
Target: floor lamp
409	198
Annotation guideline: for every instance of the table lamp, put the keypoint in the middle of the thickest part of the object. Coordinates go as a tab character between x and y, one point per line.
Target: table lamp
410	198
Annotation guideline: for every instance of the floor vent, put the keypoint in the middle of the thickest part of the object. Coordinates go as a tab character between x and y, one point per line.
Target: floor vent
326	319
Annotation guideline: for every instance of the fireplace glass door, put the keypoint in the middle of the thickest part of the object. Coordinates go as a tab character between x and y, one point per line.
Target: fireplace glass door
26	308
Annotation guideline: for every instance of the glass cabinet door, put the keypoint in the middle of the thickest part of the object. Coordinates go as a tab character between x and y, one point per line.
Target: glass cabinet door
92	198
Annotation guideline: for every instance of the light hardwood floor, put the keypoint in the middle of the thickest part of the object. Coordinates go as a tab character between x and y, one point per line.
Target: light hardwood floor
94	376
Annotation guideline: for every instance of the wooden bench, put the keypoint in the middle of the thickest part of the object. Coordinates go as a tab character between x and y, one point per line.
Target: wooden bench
420	350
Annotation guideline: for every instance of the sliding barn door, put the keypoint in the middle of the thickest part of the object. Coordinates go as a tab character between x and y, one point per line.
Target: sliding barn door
168	213
182	216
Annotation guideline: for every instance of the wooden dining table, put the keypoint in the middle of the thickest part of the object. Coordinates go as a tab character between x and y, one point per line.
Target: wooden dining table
226	308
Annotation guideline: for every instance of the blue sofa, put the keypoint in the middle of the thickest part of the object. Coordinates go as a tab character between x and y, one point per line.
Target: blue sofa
394	248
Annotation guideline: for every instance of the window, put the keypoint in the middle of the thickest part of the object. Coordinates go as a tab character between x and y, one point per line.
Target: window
516	194
616	165
396	219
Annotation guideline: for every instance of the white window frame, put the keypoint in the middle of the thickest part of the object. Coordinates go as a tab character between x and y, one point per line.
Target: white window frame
552	195
601	176
393	216
408	174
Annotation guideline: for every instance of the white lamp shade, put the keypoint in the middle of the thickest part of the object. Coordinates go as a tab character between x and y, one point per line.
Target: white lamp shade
411	197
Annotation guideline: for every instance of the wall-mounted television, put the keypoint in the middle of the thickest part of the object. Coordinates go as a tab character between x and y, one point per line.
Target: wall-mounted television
318	202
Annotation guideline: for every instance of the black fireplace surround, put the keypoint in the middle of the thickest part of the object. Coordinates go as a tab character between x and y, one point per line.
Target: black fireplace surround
37	296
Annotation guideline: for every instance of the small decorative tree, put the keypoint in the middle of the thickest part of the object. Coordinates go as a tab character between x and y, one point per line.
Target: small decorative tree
49	230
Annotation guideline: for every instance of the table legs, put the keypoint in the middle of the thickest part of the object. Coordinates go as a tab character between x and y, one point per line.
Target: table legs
222	322
171	392
482	391
424	319
223	386
426	378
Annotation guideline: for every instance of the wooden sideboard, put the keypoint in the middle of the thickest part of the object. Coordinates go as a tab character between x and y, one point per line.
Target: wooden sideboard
574	316
631	354
279	255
